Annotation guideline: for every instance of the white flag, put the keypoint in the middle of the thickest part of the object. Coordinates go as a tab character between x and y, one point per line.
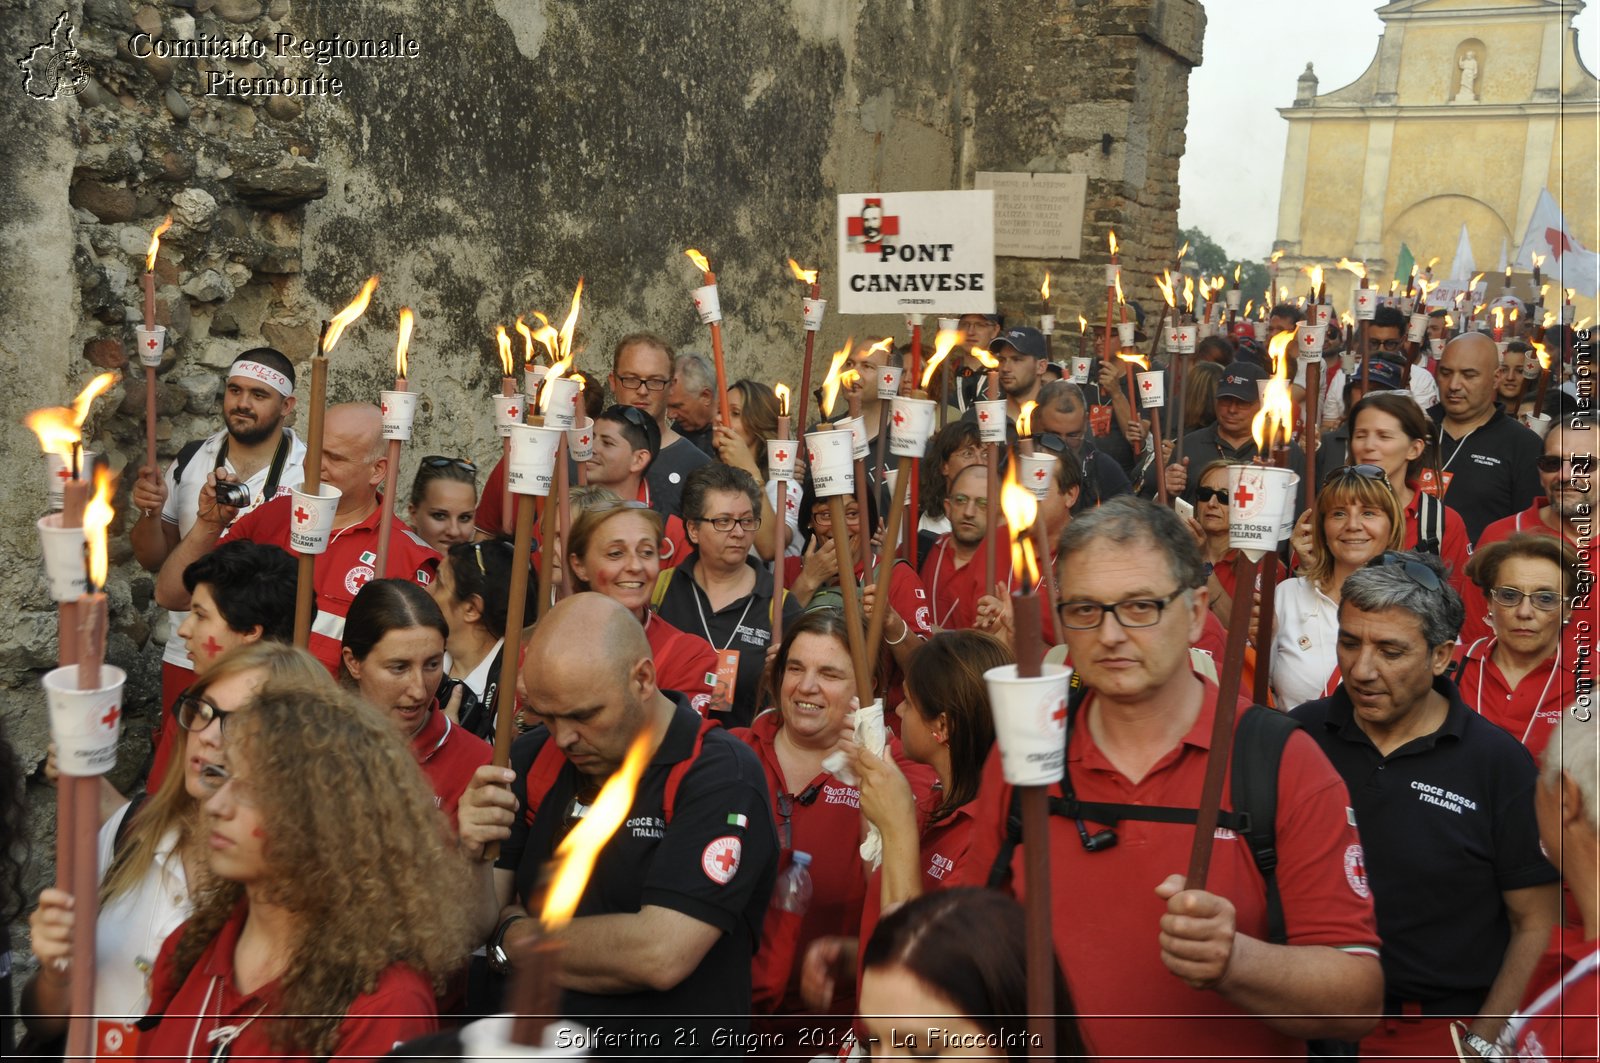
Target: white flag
1463	268
1567	263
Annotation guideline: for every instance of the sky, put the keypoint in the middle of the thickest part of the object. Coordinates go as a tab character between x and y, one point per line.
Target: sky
1233	165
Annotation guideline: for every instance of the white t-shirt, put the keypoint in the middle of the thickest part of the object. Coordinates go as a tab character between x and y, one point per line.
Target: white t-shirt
477	680
1423	388
183	509
133	925
1304	650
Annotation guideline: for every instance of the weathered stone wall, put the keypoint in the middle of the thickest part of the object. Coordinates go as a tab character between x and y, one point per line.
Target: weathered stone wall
532	142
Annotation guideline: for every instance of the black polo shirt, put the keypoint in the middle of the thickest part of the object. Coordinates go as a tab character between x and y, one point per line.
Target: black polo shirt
1447	826
1204	446
744	625
1491	472
667	473
721	816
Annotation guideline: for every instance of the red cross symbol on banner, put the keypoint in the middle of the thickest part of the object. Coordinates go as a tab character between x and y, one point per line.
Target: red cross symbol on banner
1558	242
300	515
888	226
783	455
151	343
1040	474
1244	496
212	646
899	418
726	860
111	717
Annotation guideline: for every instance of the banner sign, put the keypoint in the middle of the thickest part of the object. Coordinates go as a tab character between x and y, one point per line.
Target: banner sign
918	252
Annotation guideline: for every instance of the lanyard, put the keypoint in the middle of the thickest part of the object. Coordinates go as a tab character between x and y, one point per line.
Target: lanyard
749	600
1459	444
933	592
221	1036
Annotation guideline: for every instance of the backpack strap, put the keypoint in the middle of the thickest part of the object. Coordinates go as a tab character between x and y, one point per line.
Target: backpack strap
547	764
1258	742
1430	523
185	456
680	769
127	821
663	581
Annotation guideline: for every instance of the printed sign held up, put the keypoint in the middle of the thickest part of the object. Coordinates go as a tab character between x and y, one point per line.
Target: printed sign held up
922	252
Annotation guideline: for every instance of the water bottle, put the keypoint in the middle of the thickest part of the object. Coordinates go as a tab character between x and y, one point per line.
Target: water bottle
793	892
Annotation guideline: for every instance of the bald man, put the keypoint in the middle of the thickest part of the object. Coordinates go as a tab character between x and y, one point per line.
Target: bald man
665	930
1488	462
353	461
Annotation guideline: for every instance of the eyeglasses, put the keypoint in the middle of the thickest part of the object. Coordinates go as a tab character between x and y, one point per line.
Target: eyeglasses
1511	598
440	461
195	712
1388	345
648	383
1206	494
725	524
1415	570
1365	472
1055	443
1080	615
963	501
1551	462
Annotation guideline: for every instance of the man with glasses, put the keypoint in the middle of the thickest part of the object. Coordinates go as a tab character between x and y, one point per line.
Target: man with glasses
1064	413
641	372
977	331
1486	459
953	571
1386	334
1158	971
1465	899
354	461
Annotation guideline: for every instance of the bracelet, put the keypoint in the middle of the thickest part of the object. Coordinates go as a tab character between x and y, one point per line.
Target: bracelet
905	630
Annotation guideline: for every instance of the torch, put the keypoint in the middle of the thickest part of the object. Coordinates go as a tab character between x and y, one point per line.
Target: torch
812	308
1544	379
151	339
1271	428
780	466
322	505
1113	287
829	455
1364	301
992	433
1152	393
558	407
1310	347
710	310
509	410
1038	471
1164	282
398	407
1047	318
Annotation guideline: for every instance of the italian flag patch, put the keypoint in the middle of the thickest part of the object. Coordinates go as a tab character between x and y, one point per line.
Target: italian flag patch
736	820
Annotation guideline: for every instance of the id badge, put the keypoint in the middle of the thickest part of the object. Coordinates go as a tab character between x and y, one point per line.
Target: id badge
722	680
116	1040
1100	420
1435	486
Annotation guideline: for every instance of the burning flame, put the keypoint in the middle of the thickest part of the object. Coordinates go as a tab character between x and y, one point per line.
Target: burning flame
1236	271
1432	262
1275	419
1513	316
1113	234
1188	294
1572	293
1218	283
570	325
945	342
1544	290
1347	320
345	317
782	391
1083	325
1544	356
1315	273
1025	418
1184	250
1549	319
800	274
1499	317
831	382
547	336
699	260
507	366
561	351
1427	288
580	849
1449	322
1538	260
885	344
96	519
60	428
1135	358
1248	303
1275	256
985	359
1044	289
529	355
1021	509
1474	282
1164	282
1120	300
1358	268
1581	324
155	243
1205	289
407	320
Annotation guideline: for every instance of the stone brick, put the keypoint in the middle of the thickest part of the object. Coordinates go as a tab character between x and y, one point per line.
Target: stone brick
109	203
105	353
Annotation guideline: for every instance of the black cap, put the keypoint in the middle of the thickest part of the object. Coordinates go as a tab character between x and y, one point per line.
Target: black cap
1239	381
1383	374
1022	339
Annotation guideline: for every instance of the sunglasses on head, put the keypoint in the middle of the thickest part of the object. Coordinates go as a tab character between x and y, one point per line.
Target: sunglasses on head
1365	472
1416	571
440	461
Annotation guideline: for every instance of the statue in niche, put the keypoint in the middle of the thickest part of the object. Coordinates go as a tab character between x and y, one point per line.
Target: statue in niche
1469	77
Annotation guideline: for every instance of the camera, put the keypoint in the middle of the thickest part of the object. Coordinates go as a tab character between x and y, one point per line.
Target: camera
232	494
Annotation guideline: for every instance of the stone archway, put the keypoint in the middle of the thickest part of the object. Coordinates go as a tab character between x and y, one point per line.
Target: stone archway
1431	227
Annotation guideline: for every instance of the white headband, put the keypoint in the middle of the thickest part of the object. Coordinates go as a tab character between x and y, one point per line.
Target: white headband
265	374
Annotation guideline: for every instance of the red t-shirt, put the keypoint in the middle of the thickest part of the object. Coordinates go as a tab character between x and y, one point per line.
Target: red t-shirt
1531	711
1560	1020
490	515
953	592
449	754
1131	1007
944	847
344	568
400	1007
683	661
1530	521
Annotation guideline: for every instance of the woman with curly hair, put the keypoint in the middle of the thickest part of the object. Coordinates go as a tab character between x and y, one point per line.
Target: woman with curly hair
325	928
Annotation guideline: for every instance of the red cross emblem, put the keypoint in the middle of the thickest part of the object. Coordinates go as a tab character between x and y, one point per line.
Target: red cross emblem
888	378
1059	713
300	515
1040	474
359	577
1244	496
1183	337
983	415
111	717
1148	385
1361	301
783	455
513	411
889	225
726	860
63	474
383	407
1558	242
1307	339
583	440
150	343
720	859
212	646
811	456
899	418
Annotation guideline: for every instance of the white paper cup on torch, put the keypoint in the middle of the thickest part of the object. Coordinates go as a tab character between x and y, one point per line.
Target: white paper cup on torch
1204	330
1030	723
580	441
1256	504
991	420
860	444
508	411
152	345
311	520
889	378
84	723
63	559
1187	339
1125	332
561	409
1291	508
532	376
1173	338
1530	369
1261	328
811	310
832	463
1324	314
1365	302
910	426
1233	299
399	410
1349	364
1112	273
1047	324
1037	471
1308	342
1417	328
913	320
1152	387
1538	422
1080	370
56	474
708	305
949	324
532	468
1436	347
780	458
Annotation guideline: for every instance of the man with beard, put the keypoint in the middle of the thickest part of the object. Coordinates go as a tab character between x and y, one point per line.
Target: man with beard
1229	437
953	571
1486	459
254	448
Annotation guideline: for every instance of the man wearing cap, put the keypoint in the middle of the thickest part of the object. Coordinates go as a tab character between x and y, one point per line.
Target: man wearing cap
354	461
253	448
1064	413
641	373
1229	437
1021	354
1333	447
1487	461
1386	334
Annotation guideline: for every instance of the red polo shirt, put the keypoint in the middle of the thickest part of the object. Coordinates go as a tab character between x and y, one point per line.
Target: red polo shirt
449	754
399	1007
1532	710
944	847
682	661
490	514
344	568
953	592
1560	1020
1107	915
1530	521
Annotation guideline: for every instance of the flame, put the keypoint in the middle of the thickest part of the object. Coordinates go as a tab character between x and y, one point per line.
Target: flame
1021	509
1113	234
1283	293
559	344
1083	325
1358	268
343	318
1120	300
547	336
155	243
1538	260
1044	289
1205	289
1427	288
1347	320
1218	282
407	320
1544	290
1432	262
96	519
1544	356
1278	351
945	342
1513	316
782	391
699	260
1164	282
1499	317
578	852
1188	294
1549	319
1581	324
1316	277
1275	256
831	382
1135	358
1474	282
1248	303
1025	418
507	366
985	359
1449	322
1572	293
1275	419
885	344
1459	296
800	274
1184	250
1236	271
570	324
529	356
60	428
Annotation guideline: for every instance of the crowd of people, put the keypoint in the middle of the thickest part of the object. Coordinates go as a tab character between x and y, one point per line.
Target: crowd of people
324	858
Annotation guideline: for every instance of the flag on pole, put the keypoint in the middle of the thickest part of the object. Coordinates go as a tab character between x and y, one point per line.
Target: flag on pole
1566	262
1464	265
1505	262
1404	264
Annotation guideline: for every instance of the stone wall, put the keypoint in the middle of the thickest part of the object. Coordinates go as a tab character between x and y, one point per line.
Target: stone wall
531	142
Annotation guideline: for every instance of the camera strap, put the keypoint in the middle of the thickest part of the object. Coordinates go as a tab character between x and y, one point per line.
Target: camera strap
274	471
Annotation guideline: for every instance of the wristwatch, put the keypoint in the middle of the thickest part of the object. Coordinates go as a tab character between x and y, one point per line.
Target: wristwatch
1484	1048
499	962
